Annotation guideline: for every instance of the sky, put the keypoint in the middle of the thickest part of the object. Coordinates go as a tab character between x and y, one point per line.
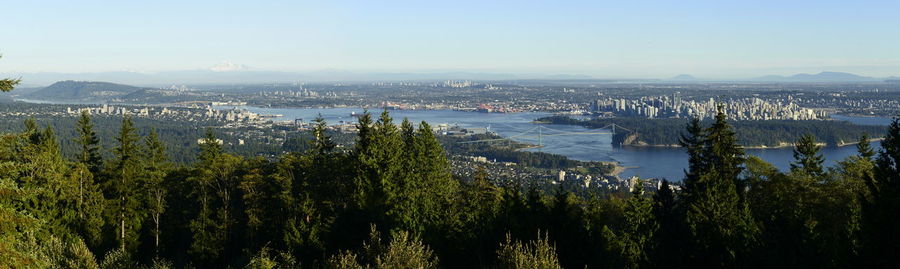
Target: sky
604	39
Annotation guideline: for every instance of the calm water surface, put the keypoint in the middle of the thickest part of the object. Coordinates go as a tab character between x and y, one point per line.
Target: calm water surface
572	141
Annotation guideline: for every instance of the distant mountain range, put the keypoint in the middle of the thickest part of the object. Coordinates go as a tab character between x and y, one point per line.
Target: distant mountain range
820	77
231	74
684	77
228	73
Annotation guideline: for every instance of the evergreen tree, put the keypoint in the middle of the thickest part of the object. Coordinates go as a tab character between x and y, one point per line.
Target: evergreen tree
124	188
807	157
323	143
479	213
693	141
365	191
266	195
379	177
216	182
864	148
50	144
881	213
403	251
90	144
564	224
719	220
434	183
8	84
721	151
318	184
781	204
210	148
89	204
32	132
668	246
157	166
538	254
406	207
634	242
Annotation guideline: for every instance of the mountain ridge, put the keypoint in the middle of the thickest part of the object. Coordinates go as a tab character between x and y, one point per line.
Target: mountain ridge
74	90
824	76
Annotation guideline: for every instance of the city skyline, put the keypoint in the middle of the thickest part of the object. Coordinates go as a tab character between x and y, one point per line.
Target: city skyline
655	39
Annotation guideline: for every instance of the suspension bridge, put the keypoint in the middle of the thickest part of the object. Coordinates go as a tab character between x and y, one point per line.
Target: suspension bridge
539	132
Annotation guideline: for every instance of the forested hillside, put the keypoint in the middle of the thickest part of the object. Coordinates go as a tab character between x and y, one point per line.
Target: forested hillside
83	91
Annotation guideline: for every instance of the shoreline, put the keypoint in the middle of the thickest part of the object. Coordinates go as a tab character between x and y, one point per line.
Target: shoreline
782	146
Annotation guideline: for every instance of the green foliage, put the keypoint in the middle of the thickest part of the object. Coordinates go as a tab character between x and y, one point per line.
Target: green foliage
668	247
265	259
74	254
719	220
118	259
155	170
807	222
538	254
90	144
225	211
864	148
693	141
8	84
634	242
123	186
770	133
880	210
322	142
17	228
216	183
807	156
343	260
403	251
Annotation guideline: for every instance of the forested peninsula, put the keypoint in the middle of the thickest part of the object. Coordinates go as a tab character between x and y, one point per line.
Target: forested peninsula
750	134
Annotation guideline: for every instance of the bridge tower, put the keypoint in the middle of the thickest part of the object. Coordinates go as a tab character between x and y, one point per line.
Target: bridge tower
540	137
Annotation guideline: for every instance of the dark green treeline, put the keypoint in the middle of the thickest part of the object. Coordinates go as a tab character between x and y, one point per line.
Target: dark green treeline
390	201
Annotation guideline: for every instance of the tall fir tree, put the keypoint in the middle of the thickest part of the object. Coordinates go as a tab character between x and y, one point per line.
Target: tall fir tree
89	204
90	144
864	147
434	182
406	205
693	141
881	212
807	157
124	189
210	148
721	151
363	152
634	242
379	168
322	143
387	175
156	167
217	181
31	131
719	220
669	244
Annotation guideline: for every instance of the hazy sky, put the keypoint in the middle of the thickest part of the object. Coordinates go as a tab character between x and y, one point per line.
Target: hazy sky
710	39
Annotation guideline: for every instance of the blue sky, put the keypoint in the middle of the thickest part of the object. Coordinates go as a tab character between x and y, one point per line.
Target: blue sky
612	39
